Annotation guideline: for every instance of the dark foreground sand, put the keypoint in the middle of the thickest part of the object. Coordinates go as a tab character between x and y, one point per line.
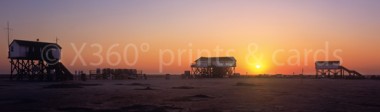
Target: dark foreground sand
202	95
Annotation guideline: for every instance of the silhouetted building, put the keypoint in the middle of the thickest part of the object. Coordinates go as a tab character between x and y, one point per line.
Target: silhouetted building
36	60
333	69
213	67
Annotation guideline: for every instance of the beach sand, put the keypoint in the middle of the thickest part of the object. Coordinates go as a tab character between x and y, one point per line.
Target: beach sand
192	95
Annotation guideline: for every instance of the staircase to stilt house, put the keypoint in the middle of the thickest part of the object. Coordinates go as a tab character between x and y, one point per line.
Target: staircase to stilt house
58	71
352	74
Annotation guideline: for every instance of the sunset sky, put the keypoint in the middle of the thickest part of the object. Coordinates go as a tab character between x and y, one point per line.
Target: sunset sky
286	34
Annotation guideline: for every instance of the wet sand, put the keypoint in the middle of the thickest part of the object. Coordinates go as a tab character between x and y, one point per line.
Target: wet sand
192	95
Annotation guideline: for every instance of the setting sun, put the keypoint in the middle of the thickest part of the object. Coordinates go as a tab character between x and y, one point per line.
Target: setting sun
258	66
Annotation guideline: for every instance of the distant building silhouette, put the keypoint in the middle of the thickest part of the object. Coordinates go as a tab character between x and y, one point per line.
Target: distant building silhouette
213	67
